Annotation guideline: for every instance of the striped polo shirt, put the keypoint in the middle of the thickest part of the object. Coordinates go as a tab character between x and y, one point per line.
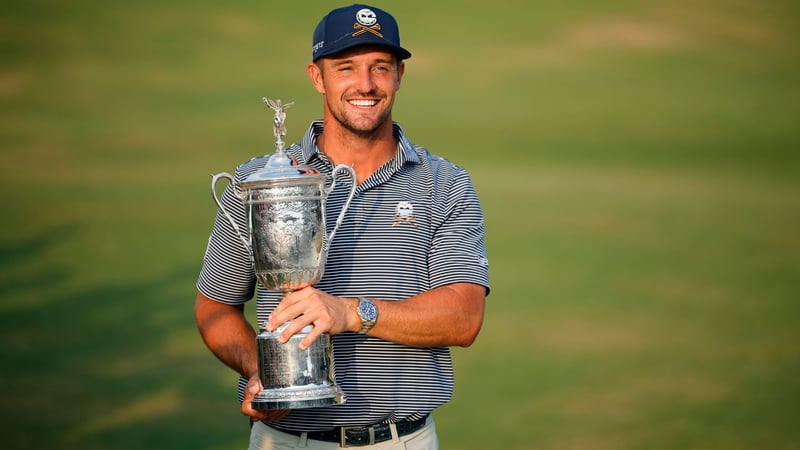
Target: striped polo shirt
414	225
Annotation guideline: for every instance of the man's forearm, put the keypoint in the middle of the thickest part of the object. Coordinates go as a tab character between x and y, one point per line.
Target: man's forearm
447	316
227	333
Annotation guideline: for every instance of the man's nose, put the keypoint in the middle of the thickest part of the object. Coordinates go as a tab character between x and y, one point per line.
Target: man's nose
366	82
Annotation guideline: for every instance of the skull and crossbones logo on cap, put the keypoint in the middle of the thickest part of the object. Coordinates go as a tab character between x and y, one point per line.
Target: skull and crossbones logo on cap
367	21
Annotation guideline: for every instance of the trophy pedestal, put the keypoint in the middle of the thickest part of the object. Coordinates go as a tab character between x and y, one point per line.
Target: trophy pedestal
295	378
298	398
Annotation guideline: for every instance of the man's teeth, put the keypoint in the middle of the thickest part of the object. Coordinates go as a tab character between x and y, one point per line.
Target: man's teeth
363	102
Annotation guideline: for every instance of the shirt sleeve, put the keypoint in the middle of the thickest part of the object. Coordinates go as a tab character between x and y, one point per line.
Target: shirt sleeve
458	253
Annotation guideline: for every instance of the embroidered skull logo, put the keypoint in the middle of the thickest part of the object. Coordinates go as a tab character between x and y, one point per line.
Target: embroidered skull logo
404	213
366	17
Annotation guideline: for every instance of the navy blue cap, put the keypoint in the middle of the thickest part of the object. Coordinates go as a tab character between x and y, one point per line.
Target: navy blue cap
353	25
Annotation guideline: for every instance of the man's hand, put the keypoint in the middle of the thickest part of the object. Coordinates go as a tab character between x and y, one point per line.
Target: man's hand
310	306
254	387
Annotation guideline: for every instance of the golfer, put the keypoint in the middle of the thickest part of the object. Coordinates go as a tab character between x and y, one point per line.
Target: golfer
405	279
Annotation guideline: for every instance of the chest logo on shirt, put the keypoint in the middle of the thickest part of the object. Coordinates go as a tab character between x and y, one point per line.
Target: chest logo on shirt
404	213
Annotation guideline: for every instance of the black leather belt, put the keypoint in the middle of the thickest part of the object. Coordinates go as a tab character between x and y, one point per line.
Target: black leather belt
359	436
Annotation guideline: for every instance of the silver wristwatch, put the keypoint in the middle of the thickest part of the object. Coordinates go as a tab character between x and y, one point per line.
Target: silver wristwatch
368	313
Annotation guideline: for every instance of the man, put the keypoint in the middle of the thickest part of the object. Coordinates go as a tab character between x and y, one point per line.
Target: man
405	278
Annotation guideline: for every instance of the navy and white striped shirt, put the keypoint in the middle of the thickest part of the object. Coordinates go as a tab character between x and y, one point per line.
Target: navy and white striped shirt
414	225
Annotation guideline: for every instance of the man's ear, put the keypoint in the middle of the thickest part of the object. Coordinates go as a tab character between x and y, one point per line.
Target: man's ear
315	73
401	69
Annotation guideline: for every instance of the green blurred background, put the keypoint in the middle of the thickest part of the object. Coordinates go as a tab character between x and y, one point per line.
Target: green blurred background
637	162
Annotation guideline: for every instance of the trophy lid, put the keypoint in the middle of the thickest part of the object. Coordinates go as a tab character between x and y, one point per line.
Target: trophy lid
279	166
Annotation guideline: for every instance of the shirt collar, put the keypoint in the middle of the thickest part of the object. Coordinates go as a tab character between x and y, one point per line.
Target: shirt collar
405	150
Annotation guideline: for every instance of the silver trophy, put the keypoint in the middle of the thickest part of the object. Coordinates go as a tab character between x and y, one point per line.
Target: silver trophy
288	244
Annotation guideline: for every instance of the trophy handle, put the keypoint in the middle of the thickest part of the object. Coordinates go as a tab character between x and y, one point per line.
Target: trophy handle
214	180
352	174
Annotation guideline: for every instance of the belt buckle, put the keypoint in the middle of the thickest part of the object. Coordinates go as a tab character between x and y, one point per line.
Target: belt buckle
343	436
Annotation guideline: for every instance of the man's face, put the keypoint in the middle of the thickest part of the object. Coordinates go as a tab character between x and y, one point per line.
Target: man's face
359	87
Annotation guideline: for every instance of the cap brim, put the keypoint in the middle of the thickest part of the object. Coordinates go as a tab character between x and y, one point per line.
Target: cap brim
400	52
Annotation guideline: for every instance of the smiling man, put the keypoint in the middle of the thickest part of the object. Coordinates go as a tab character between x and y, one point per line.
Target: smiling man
405	279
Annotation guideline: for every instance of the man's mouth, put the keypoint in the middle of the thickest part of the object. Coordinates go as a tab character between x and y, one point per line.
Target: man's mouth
363	103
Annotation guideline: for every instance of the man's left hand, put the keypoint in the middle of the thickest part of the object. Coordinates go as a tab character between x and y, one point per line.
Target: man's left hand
310	306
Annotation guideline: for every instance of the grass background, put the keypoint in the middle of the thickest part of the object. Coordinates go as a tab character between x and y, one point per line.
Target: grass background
637	162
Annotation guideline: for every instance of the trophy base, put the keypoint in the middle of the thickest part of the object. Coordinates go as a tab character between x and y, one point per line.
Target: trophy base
298	398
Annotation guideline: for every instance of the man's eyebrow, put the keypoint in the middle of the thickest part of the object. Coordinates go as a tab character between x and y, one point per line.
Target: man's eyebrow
339	62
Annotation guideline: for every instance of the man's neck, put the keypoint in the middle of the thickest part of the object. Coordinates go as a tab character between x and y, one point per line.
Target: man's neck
366	154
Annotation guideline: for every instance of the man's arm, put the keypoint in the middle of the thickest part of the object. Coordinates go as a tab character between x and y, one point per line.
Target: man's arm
450	315
227	333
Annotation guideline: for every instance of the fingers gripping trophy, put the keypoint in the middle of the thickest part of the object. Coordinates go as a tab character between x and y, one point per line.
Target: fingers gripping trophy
288	246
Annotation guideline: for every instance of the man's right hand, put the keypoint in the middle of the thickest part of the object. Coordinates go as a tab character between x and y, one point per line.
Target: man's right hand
254	387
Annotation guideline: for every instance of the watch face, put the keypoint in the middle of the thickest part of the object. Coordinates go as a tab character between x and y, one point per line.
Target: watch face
367	310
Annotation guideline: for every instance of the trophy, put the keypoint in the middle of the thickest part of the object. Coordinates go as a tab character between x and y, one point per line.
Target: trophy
288	245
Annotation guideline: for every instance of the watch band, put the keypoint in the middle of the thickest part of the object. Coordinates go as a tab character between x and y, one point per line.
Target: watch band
368	313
